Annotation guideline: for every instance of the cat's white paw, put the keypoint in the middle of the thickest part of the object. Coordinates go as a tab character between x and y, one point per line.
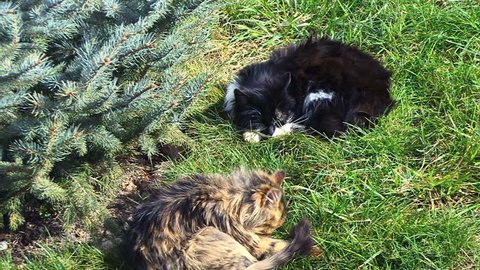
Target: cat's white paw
286	129
251	137
280	131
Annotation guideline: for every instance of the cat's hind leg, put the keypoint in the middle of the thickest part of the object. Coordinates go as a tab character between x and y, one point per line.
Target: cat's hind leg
214	250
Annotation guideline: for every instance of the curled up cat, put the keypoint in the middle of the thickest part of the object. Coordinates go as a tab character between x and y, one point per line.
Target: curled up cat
315	86
217	223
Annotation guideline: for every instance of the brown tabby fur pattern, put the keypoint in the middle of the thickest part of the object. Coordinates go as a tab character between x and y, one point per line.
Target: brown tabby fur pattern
216	222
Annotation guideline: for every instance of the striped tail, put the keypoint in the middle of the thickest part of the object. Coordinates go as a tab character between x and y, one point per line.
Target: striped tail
302	244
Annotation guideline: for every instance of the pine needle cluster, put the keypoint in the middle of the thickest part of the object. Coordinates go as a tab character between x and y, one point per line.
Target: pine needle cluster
82	79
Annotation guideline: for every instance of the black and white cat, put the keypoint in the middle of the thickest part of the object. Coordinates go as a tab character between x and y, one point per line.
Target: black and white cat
318	85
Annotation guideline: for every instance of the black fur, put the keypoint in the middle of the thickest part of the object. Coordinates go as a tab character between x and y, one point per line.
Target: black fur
269	94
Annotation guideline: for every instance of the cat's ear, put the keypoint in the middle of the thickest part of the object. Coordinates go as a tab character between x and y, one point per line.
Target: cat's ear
286	79
240	97
277	177
272	196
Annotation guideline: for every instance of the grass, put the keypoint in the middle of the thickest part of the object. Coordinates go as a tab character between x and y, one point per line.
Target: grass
69	257
404	195
401	196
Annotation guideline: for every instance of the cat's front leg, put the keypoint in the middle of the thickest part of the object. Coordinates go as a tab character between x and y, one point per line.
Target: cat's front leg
287	129
252	131
252	136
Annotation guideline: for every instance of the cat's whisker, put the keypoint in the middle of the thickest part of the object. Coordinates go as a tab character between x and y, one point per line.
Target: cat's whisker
277	123
300	120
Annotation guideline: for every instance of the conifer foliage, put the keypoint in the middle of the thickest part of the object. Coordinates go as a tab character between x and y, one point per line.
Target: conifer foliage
81	78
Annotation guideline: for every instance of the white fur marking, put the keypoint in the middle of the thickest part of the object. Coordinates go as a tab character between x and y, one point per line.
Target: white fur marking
251	137
230	96
286	129
321	94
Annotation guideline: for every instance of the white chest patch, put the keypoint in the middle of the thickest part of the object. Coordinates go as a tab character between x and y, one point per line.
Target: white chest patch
320	95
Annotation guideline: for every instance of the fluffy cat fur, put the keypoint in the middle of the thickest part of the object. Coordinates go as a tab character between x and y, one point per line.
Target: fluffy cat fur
216	222
317	85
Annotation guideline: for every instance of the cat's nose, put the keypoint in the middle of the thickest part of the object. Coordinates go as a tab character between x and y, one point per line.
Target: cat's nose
271	130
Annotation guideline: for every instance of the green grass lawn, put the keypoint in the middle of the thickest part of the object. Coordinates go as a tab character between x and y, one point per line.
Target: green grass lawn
405	195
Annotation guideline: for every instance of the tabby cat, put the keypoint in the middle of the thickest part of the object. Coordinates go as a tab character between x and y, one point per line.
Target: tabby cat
216	222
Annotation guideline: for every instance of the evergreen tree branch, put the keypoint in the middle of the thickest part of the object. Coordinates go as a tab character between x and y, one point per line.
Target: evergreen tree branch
86	78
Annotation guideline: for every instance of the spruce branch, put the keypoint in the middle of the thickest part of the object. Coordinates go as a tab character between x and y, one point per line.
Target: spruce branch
40	105
10	21
46	8
32	150
112	8
35	68
86	79
101	138
133	91
13	207
45	189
